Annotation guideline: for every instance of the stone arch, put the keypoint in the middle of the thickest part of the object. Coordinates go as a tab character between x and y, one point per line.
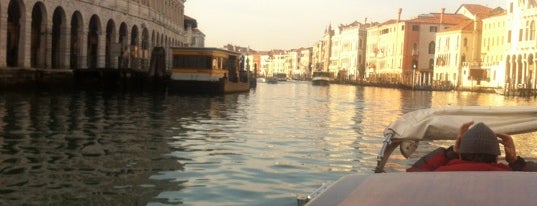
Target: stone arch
508	66
59	39
15	33
110	42
38	36
512	78
76	40
153	39
145	48
94	31
135	47
531	68
167	42
158	40
532	30
519	69
123	41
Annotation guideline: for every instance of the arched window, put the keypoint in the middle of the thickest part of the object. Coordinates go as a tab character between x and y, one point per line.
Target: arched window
532	30
431	47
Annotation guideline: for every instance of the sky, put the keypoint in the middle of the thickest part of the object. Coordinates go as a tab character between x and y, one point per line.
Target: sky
264	25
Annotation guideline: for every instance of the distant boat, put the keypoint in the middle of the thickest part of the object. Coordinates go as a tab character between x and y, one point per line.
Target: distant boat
321	78
280	76
272	80
207	70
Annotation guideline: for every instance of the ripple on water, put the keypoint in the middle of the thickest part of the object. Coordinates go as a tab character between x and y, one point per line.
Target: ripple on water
261	148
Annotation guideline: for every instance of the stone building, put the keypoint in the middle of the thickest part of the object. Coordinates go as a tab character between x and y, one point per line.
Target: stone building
75	34
458	52
493	49
521	40
402	51
342	51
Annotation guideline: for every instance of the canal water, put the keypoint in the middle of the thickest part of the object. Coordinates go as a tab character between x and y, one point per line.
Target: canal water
265	147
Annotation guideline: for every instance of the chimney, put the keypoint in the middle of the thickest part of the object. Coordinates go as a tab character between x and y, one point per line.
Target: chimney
442	11
399	14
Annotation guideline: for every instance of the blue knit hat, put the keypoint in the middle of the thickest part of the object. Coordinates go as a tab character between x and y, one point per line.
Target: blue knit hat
480	139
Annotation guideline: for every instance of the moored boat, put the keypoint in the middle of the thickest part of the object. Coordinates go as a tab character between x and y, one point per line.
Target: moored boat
280	76
207	70
436	188
272	80
321	78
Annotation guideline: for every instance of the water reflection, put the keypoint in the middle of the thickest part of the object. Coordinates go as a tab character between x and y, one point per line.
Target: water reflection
81	148
258	148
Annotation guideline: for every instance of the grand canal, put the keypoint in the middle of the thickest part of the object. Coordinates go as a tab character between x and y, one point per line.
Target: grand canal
259	148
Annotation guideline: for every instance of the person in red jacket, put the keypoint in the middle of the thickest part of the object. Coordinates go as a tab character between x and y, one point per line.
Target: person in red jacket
476	149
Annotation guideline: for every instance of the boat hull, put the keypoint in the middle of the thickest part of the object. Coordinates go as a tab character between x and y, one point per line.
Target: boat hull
208	87
320	82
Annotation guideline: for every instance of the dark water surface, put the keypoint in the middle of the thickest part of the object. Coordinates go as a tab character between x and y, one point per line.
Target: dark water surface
259	148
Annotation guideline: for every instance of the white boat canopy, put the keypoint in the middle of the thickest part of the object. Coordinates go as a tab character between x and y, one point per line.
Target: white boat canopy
444	123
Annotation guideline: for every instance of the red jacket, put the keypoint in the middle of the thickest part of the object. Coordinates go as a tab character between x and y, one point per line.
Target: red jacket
440	160
463	165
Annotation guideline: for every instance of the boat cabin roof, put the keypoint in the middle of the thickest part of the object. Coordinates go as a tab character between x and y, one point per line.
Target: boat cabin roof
432	188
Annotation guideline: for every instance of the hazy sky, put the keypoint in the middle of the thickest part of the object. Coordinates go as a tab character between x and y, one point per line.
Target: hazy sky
290	24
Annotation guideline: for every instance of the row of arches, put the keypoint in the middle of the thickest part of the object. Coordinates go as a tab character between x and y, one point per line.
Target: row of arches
66	40
520	69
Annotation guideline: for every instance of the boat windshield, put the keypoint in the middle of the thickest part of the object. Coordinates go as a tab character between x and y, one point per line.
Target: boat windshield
442	124
280	75
321	74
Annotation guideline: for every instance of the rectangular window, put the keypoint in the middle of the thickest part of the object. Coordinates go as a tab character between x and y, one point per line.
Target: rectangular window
433	29
415	27
509	36
192	62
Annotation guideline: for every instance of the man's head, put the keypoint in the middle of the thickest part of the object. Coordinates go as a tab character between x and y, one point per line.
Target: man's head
479	144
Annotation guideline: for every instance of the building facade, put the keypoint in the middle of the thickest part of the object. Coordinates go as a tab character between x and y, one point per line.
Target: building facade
494	47
403	52
521	41
76	34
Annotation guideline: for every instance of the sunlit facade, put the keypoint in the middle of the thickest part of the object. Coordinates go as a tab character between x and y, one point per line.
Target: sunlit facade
385	45
453	47
521	45
403	51
348	50
493	48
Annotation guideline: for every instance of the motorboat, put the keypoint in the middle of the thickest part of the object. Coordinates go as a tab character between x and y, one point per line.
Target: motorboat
272	80
208	70
321	78
280	76
436	188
